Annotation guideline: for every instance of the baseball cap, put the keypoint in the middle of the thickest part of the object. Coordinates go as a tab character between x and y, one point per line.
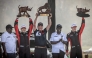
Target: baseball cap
59	26
23	25
9	26
40	24
73	25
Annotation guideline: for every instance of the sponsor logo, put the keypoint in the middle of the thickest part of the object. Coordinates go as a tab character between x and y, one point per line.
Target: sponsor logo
38	34
8	37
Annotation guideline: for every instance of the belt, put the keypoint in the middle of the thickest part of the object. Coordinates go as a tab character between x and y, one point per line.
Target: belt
24	46
74	46
40	47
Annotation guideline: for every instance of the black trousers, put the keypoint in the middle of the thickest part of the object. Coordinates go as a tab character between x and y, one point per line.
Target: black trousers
76	52
4	56
40	52
11	55
58	55
24	52
0	55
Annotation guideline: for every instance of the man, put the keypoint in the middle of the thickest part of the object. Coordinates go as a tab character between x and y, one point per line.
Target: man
40	38
75	40
8	40
58	41
0	51
23	38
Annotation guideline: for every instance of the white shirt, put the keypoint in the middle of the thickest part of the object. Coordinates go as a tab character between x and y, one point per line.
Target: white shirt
59	46
10	42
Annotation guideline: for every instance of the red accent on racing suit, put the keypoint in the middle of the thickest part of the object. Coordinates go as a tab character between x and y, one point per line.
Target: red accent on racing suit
17	30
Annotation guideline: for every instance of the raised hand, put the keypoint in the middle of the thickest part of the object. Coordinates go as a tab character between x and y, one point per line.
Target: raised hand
50	16
36	14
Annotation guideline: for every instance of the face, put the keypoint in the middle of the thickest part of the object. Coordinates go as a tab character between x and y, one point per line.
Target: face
59	30
9	30
23	29
40	27
74	28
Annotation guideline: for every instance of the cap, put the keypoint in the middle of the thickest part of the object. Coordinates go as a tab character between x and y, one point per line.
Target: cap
59	26
40	24
8	26
23	25
73	25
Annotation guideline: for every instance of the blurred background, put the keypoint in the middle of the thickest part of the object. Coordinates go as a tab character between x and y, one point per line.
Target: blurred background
65	14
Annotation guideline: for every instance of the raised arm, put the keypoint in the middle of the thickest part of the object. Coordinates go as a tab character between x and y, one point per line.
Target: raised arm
34	25
30	27
49	22
82	26
16	29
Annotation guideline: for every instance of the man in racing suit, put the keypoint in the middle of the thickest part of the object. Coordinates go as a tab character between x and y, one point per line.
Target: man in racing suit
23	39
75	40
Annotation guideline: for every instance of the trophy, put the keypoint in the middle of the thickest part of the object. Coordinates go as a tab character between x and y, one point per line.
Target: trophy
82	12
23	11
46	12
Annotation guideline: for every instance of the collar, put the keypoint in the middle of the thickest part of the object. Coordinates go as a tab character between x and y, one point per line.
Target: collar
73	32
23	32
58	34
8	32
